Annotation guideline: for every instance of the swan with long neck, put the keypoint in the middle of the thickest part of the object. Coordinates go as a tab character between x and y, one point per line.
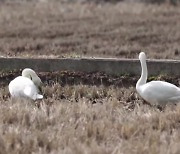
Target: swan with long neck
155	92
31	74
26	86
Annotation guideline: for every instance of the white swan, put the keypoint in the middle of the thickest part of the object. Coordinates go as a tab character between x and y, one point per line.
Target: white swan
155	92
29	73
26	86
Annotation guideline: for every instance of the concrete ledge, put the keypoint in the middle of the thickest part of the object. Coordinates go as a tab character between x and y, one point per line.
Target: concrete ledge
108	66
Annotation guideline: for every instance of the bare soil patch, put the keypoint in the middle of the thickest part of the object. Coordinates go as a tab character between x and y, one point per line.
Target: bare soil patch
81	78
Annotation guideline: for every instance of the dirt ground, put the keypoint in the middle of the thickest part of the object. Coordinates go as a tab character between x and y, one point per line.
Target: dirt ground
88	113
54	29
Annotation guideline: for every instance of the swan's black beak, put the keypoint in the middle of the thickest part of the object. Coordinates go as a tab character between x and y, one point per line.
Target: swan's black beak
40	89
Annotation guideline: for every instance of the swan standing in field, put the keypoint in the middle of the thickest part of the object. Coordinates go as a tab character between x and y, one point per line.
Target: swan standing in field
155	92
26	86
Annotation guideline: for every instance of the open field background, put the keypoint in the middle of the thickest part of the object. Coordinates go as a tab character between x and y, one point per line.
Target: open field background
54	29
88	113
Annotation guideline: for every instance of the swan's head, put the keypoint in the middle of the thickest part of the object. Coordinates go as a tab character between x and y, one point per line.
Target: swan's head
142	56
29	73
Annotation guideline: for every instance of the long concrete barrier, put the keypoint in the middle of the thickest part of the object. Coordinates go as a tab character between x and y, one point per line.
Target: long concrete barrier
105	65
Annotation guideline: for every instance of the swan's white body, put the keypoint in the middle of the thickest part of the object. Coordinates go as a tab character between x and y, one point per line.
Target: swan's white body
24	87
155	92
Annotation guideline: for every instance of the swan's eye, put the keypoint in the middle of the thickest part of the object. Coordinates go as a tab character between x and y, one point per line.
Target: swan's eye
30	77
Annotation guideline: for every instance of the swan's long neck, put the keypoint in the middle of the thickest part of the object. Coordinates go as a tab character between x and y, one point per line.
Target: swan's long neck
144	73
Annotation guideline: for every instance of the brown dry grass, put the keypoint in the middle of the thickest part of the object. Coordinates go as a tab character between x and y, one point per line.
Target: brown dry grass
80	118
87	119
57	29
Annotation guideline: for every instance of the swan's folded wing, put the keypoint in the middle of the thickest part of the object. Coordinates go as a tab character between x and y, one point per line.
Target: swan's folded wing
28	91
161	89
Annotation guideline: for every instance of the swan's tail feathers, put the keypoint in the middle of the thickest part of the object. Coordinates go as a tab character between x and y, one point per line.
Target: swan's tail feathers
28	91
38	96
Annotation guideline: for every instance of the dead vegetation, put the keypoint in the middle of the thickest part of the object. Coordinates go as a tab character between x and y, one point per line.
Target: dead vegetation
87	113
55	29
87	119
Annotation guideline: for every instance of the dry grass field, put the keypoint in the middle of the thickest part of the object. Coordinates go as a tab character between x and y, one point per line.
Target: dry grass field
57	29
87	119
88	113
